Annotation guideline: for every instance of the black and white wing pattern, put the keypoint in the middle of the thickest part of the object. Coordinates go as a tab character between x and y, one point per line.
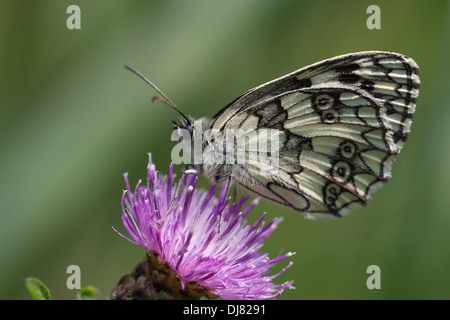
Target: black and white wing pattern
341	123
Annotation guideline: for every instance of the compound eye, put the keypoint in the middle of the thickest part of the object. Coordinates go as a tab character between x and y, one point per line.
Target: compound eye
190	128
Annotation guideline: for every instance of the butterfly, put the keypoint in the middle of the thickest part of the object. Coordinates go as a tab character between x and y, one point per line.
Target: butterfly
339	124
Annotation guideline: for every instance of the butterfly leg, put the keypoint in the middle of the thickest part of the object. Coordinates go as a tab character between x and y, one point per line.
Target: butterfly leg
184	172
227	191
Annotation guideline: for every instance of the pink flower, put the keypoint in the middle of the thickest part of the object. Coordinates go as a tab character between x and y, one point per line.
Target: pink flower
229	264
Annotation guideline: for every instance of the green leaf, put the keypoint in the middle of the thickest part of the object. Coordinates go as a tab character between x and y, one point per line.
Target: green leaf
87	293
37	289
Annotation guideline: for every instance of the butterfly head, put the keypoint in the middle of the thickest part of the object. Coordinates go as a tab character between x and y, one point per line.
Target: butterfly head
183	129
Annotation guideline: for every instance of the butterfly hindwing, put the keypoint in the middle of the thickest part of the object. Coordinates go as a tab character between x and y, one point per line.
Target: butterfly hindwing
340	124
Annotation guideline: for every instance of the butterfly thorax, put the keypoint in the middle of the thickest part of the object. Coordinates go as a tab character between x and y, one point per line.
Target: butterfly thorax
204	148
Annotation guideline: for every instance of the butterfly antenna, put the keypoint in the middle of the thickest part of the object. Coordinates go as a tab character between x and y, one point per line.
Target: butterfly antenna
166	99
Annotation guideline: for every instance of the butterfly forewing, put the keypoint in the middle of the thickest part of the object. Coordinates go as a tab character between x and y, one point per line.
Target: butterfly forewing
340	124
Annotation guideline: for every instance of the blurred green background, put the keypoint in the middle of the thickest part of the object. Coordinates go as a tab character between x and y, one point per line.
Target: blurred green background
73	120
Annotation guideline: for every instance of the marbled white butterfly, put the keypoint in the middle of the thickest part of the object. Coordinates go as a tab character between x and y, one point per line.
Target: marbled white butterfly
339	123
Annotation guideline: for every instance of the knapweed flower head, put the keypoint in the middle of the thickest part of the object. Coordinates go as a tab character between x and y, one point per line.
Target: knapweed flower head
185	238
